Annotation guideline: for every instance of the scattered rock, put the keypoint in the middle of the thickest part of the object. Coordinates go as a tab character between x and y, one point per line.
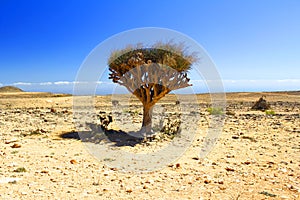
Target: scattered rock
115	102
230	113
222	187
261	104
65	111
246	162
129	190
235	137
16	146
11	141
73	161
249	138
229	169
150	181
105	120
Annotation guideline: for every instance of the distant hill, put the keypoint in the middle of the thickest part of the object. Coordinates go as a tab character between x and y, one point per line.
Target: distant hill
10	89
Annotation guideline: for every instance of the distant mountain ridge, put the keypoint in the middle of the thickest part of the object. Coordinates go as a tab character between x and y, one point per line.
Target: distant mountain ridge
10	89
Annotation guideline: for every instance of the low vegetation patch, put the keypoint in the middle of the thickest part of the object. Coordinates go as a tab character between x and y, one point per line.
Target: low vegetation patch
20	169
270	112
215	111
268	194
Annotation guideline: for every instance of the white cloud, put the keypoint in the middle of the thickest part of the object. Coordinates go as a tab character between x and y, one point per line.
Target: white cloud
290	80
46	83
62	83
76	82
21	83
200	85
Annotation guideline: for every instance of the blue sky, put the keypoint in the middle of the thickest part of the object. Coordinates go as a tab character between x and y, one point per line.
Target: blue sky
254	44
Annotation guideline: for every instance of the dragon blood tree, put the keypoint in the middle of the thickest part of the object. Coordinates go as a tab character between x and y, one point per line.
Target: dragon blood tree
151	72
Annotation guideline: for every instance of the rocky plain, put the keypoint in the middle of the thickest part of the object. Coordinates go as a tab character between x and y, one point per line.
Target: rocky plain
256	155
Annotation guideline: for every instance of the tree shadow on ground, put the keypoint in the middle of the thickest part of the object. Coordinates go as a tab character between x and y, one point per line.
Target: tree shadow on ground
116	137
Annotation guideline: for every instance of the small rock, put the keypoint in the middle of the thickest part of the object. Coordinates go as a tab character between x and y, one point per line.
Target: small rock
222	187
230	113
106	173
16	145
229	156
96	183
247	163
129	190
177	165
235	137
283	162
11	141
150	181
42	131
73	161
229	169
206	181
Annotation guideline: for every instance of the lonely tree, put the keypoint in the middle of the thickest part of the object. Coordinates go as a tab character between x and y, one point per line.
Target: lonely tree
151	72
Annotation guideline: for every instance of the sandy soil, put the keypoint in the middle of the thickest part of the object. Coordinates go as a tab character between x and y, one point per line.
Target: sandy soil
257	156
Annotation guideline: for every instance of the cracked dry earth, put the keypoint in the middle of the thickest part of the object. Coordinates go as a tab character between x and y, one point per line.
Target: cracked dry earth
257	156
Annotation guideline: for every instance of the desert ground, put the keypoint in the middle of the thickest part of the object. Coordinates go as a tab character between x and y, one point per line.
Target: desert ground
257	155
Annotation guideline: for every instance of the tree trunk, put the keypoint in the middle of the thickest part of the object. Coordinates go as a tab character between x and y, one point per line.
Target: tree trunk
147	119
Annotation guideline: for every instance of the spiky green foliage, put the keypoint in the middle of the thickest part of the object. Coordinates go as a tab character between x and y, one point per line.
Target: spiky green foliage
151	72
169	54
